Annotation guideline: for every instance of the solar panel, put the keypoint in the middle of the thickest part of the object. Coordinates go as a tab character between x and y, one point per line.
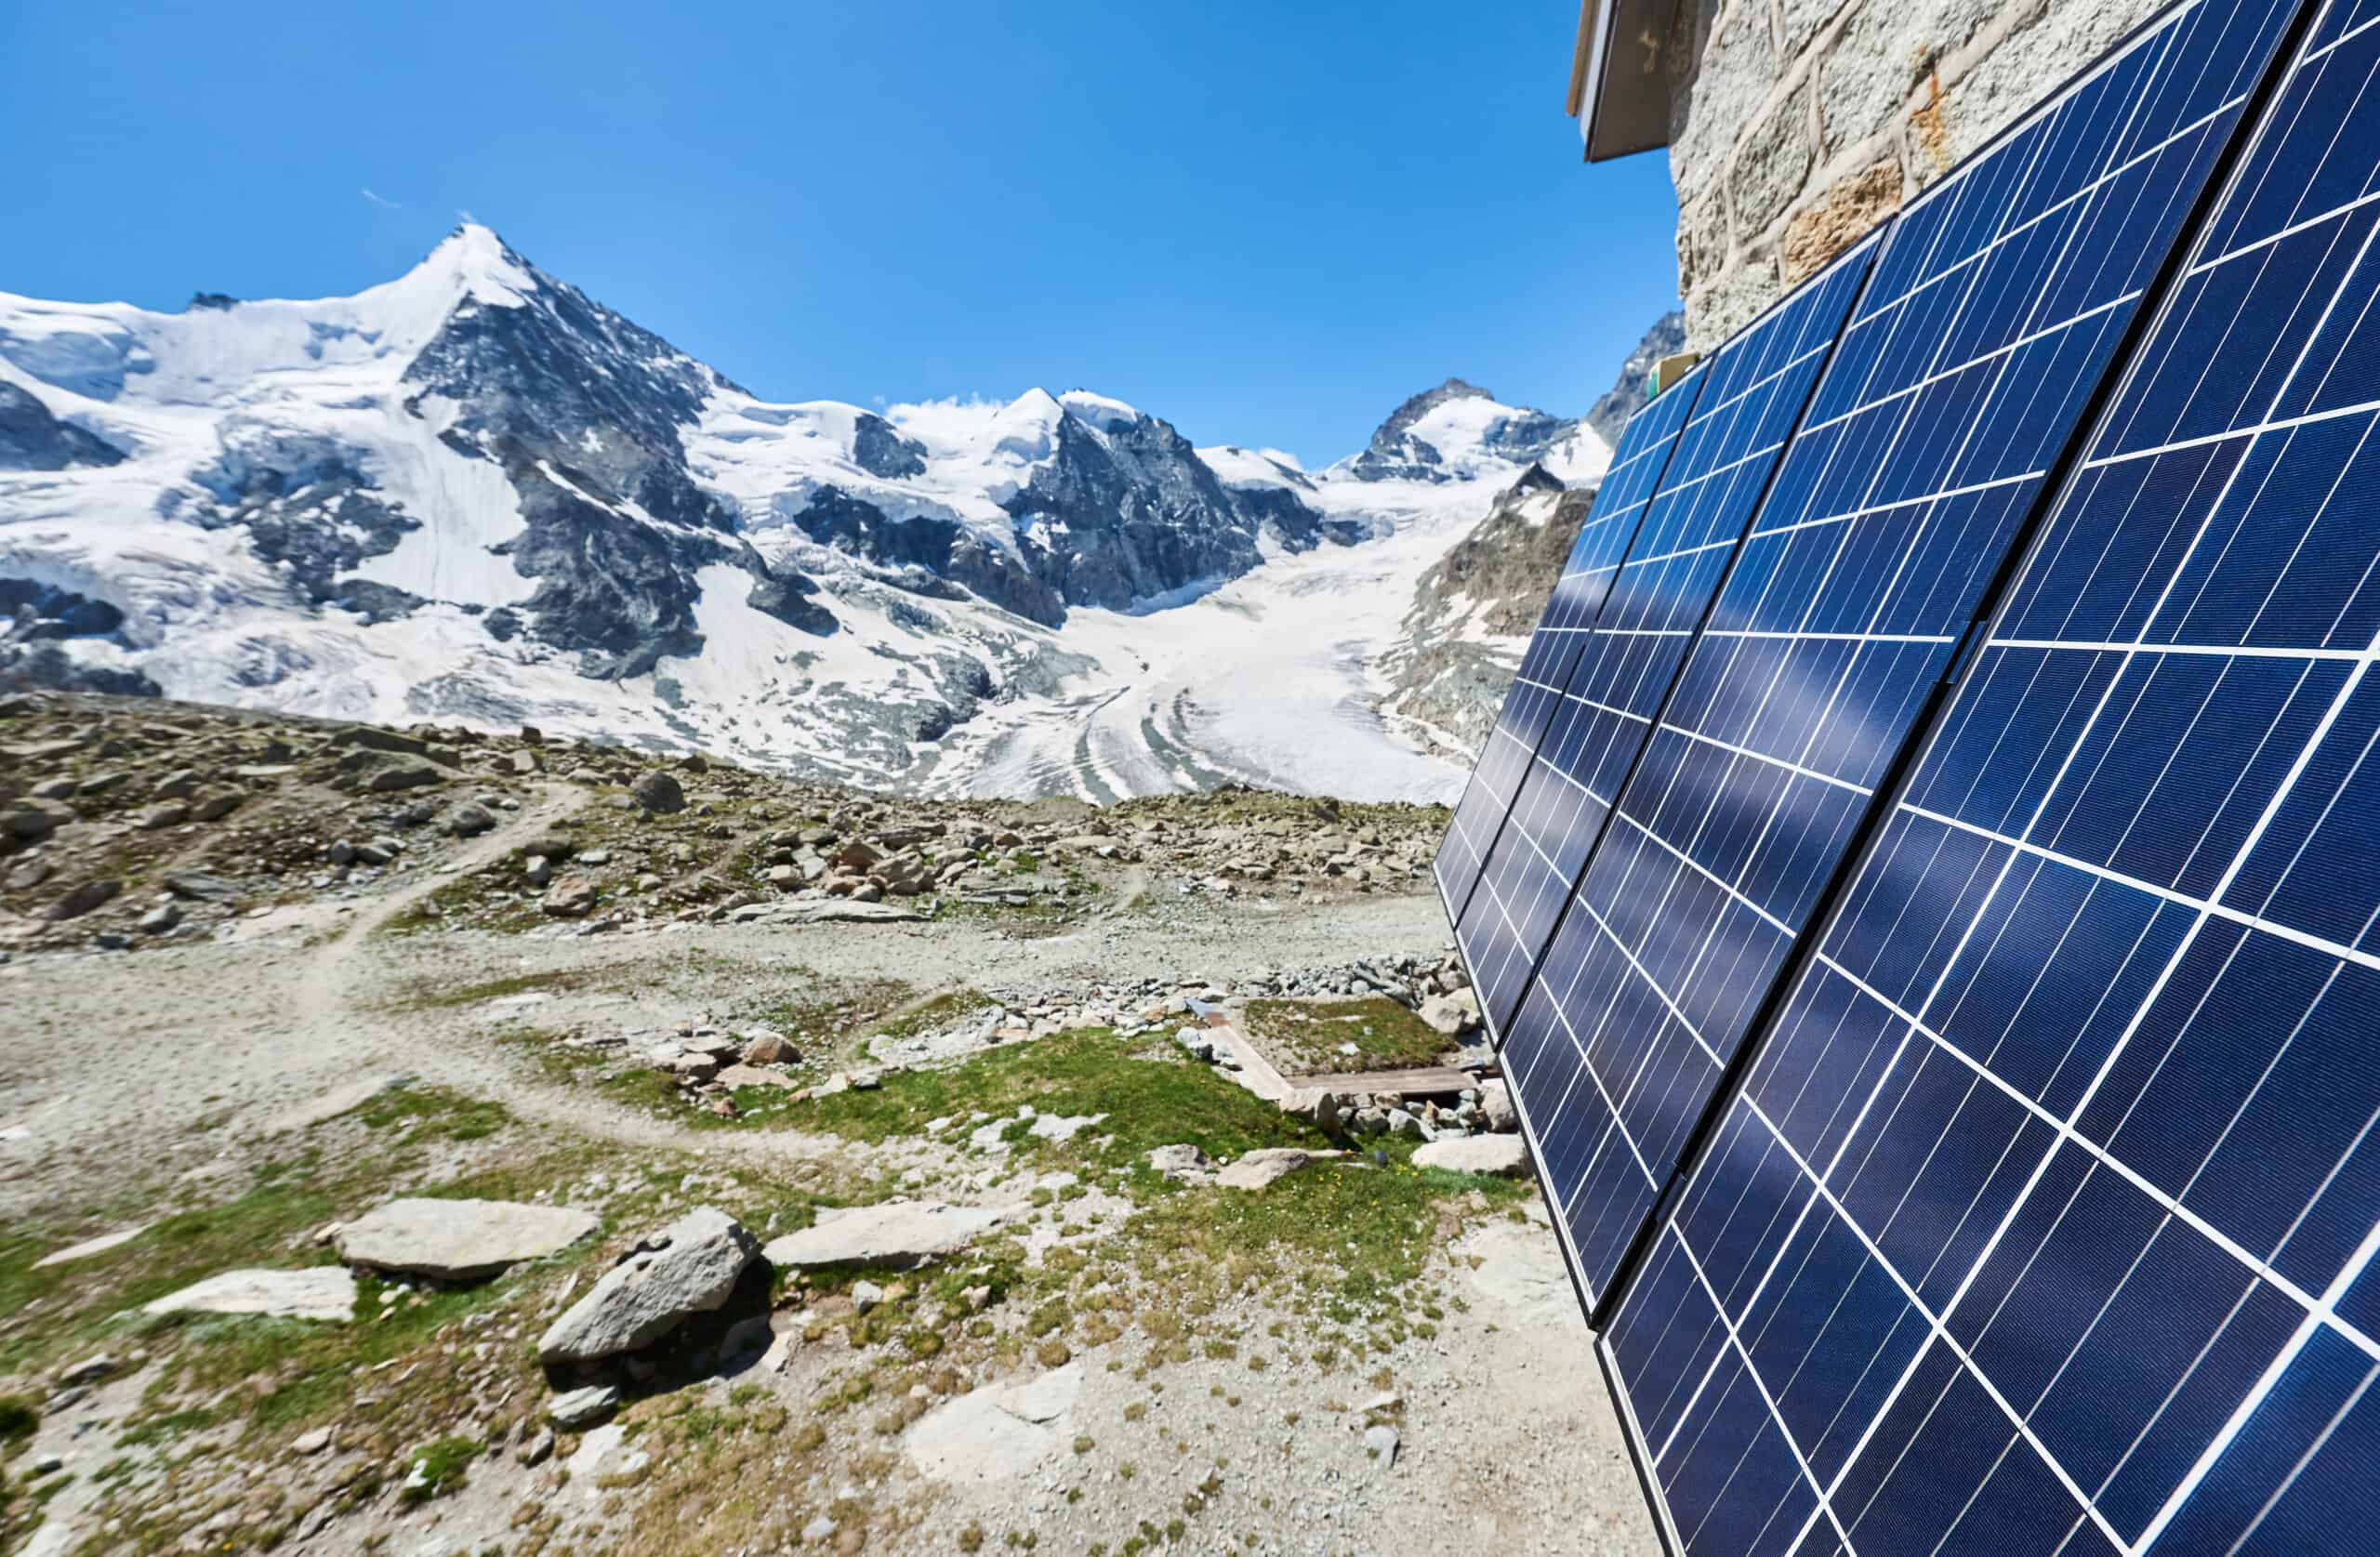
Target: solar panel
2045	1217
1604	537
1753	391
1997	305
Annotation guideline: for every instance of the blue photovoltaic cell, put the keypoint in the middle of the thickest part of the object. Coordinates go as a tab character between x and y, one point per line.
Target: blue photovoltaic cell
1754	391
1603	540
1995	307
2045	1219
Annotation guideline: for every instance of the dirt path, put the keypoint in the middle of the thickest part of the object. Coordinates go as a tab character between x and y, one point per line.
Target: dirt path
180	1059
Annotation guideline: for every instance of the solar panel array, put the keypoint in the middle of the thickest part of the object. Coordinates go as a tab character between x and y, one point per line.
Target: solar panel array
1749	398
1571	612
1955	1072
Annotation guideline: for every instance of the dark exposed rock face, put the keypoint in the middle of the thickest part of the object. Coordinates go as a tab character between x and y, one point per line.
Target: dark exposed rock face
584	412
35	618
1126	515
882	451
31	439
1122	514
939	552
1396	454
1609	414
305	502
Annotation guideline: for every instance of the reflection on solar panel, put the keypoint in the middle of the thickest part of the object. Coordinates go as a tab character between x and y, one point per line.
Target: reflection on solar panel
1610	524
2044	1220
1997	305
1750	396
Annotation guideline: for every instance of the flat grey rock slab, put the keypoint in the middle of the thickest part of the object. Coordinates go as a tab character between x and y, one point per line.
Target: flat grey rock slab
325	1292
460	1240
91	1246
897	1236
820	911
582	1408
997	1432
1502	1155
1268	1166
689	1267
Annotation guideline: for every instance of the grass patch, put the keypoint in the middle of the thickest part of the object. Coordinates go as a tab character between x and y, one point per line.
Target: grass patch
432	1112
1310	1035
1354	1233
1151	1099
440	1467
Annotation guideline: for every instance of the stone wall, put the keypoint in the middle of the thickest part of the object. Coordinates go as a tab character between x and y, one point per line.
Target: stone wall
1796	125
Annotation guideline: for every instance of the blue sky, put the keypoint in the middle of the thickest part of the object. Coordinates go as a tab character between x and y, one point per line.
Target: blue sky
1265	222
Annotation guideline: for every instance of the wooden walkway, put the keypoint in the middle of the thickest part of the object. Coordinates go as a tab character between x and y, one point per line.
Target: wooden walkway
1430	1081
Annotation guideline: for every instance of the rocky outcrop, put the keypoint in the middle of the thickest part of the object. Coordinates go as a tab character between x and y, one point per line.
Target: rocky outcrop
689	1267
31	439
1474	608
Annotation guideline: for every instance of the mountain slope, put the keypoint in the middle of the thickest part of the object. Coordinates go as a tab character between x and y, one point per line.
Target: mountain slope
1473	611
474	493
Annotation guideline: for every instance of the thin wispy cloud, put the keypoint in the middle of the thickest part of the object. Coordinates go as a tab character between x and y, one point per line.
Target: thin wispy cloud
380	200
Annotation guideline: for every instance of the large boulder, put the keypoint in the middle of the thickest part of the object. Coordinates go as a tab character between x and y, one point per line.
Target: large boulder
460	1240
659	791
689	1267
895	1236
573	897
1496	1107
1502	1155
1452	1015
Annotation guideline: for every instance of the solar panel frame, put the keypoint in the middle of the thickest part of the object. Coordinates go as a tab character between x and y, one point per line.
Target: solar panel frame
1675	1111
1625	670
2334	1321
1626	491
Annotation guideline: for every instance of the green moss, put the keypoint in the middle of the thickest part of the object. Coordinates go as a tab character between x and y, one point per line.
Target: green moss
440	1467
1308	1035
1150	1099
433	1112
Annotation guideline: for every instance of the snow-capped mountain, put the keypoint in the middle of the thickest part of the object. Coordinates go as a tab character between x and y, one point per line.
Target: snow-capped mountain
1474	609
474	494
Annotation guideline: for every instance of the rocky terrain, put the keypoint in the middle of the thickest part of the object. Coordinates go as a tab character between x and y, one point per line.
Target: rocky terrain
437	1141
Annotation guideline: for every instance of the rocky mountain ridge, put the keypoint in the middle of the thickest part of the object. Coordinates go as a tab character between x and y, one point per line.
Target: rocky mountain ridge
1474	609
475	493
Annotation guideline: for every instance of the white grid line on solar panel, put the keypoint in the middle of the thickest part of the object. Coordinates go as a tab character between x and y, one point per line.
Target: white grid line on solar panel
1824	1495
1937	1324
1536	886
2306	938
2239	860
1931	379
1822	520
2312	1451
2043	117
2254	1264
1611	1111
2269	423
2220	651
